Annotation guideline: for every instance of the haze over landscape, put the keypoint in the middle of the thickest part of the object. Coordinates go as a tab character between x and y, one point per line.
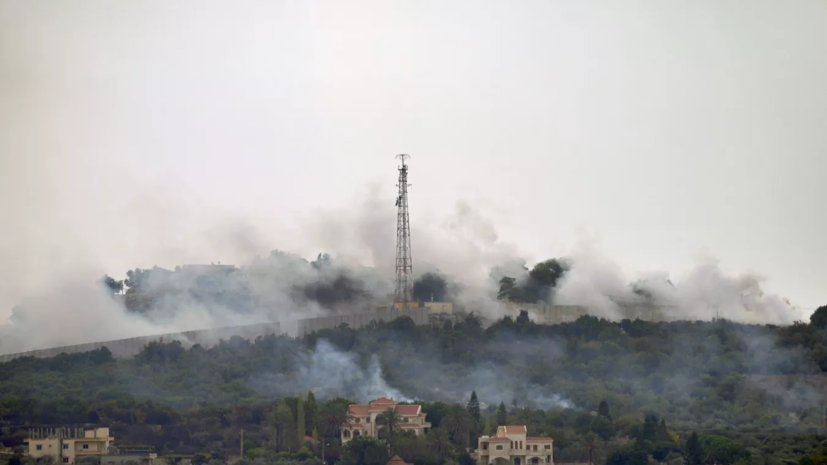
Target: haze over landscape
131	140
588	153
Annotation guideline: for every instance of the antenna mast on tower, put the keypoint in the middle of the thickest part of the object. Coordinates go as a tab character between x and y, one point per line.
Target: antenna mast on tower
404	264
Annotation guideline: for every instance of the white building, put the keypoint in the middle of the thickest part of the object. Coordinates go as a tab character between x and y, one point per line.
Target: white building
512	446
68	445
362	419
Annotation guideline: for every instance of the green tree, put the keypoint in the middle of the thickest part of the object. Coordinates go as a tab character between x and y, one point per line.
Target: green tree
473	407
283	428
602	427
311	409
693	454
508	289
628	457
663	441
474	411
603	410
722	450
332	422
439	445
364	450
458	424
502	415
819	317
111	285
389	423
301	429
548	273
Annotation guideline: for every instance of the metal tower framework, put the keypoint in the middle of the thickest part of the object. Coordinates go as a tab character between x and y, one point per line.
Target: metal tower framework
404	264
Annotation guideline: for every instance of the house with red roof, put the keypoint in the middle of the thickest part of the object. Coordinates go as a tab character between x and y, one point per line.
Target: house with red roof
362	418
512	446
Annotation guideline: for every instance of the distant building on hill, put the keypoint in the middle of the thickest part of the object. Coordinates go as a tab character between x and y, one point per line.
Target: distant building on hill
362	419
68	445
511	446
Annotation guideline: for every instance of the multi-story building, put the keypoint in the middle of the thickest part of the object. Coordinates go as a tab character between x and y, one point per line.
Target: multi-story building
512	446
68	445
362	418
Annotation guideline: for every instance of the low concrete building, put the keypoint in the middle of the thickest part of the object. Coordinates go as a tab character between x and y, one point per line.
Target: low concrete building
512	446
362	419
68	445
129	456
439	307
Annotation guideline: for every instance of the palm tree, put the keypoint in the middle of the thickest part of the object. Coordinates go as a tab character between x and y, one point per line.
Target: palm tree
333	422
390	421
438	444
458	424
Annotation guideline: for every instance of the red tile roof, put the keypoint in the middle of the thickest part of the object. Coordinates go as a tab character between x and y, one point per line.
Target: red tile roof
357	409
539	439
499	440
408	410
512	429
396	461
382	400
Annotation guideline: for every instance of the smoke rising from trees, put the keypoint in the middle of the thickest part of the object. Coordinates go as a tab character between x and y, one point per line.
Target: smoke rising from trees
460	259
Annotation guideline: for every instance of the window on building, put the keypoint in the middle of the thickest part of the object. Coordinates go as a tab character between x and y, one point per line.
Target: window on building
485	446
86	446
39	447
548	446
358	420
65	459
346	433
535	447
499	447
356	433
367	420
66	446
535	460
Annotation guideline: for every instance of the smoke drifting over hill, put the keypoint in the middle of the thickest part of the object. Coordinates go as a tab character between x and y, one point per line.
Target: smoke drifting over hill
462	259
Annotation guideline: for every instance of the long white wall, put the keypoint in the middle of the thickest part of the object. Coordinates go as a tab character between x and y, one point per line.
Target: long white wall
126	348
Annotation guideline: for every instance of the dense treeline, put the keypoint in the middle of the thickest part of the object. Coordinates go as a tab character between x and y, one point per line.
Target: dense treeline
718	378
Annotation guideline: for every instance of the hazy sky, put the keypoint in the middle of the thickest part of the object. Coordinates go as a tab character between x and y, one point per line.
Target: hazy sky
135	133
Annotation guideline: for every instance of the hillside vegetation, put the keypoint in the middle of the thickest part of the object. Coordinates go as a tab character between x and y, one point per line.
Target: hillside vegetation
760	387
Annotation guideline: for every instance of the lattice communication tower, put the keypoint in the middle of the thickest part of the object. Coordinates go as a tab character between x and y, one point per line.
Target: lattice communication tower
404	264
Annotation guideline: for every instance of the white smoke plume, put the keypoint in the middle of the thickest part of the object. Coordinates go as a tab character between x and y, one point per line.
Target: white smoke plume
702	293
330	373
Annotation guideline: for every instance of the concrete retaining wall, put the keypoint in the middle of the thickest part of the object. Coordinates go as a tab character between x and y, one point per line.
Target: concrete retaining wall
125	348
556	314
358	320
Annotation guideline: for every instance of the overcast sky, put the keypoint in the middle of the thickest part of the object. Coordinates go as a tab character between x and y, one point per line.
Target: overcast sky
135	133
